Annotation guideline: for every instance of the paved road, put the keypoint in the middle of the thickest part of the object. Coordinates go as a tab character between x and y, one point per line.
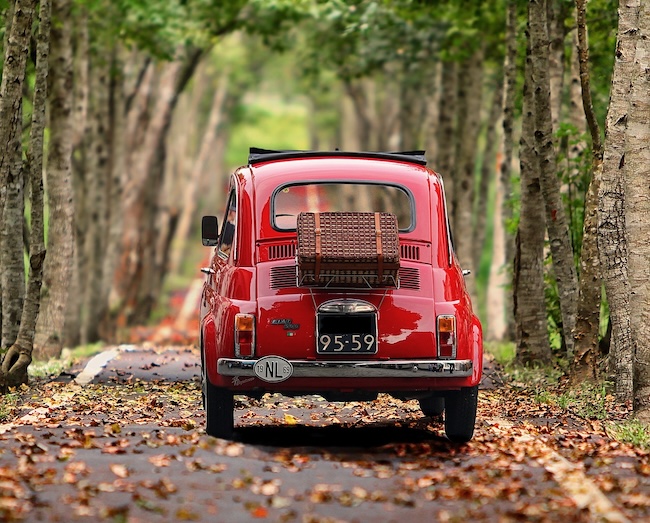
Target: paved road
128	445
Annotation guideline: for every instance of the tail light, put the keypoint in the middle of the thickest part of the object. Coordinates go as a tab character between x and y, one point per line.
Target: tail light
244	335
446	336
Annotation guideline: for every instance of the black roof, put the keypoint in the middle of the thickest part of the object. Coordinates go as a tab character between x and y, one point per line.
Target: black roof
257	155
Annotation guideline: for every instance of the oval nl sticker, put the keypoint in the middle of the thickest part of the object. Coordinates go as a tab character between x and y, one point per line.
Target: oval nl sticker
273	369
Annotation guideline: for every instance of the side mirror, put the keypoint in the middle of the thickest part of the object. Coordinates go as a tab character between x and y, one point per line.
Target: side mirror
209	230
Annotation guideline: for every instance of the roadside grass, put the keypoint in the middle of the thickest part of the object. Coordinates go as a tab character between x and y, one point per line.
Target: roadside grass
589	401
630	431
8	403
68	358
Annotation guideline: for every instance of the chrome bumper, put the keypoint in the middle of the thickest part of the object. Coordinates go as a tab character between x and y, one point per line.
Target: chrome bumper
357	369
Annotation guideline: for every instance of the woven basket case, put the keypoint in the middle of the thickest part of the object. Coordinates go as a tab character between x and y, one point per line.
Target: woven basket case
348	249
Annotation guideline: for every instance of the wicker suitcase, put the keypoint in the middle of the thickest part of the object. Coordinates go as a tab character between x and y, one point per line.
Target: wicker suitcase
348	249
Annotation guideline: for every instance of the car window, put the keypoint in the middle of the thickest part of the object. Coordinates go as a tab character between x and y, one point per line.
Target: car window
291	200
229	225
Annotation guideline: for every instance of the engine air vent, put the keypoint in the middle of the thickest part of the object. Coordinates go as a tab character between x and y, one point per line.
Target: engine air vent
282	251
283	277
409	278
410	252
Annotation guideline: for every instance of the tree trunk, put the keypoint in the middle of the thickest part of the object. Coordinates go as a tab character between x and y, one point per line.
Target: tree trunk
11	183
58	269
585	362
116	176
190	193
487	170
80	140
357	92
612	242
637	213
446	131
529	306
509	96
141	193
19	356
96	200
469	122
556	219
556	12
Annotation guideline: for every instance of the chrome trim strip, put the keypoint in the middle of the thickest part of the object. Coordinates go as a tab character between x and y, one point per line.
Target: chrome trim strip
358	369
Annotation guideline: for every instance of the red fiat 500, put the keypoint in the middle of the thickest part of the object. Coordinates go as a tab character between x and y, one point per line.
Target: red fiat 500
333	273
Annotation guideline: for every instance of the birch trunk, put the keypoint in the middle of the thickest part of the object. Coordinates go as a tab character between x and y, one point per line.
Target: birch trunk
446	131
19	356
612	242
79	135
585	362
487	170
637	212
469	101
58	269
97	186
529	305
556	219
12	269
509	96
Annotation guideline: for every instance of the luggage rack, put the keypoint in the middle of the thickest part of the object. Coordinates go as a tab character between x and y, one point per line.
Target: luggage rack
258	155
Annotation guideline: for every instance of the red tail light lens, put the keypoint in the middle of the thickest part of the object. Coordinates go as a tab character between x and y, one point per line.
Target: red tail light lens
446	336
244	335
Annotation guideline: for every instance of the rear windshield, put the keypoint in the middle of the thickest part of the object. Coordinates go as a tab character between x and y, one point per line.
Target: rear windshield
291	200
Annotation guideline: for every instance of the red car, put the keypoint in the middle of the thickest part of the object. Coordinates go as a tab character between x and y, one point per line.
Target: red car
334	274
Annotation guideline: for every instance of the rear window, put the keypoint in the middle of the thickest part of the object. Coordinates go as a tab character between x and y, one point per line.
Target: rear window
291	200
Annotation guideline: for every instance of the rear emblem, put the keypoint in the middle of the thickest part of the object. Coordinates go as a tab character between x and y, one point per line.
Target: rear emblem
273	369
286	322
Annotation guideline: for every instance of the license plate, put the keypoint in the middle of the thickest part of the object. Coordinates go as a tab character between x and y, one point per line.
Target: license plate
347	343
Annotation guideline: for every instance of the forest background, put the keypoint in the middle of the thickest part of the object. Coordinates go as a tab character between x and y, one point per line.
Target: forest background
119	121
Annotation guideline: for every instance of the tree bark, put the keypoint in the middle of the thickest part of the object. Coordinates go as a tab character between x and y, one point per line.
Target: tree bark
58	268
585	362
11	183
114	217
529	306
446	131
556	12
487	170
96	199
469	122
556	219
141	194
505	177
19	356
612	241
190	193
637	212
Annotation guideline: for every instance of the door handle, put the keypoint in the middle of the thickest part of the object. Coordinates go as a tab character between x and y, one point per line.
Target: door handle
207	270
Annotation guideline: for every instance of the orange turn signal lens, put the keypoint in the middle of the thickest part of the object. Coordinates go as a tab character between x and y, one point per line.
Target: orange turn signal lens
244	322
446	323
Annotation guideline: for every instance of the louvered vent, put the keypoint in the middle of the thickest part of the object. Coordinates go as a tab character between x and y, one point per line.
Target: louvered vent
282	251
410	252
283	277
409	278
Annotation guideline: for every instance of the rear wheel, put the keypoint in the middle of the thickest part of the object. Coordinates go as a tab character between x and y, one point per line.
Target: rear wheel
219	406
432	406
460	414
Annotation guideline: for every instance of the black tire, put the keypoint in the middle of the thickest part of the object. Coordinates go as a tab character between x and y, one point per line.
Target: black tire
432	406
219	406
460	414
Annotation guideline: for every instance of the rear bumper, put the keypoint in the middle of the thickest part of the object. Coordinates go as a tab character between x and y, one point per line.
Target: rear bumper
357	369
